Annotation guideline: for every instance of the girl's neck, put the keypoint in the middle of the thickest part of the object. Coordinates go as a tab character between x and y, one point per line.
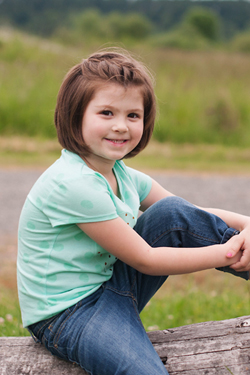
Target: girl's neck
103	168
106	169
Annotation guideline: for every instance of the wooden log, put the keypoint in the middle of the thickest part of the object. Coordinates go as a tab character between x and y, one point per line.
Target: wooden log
218	347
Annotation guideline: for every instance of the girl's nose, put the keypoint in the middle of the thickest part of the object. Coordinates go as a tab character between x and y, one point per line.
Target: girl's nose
120	126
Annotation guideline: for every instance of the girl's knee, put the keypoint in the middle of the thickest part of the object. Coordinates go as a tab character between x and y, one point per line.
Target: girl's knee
163	215
172	206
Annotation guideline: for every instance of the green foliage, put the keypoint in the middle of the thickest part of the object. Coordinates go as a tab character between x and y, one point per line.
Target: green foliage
198	30
203	96
204	21
223	115
241	42
132	26
184	38
29	84
89	24
92	25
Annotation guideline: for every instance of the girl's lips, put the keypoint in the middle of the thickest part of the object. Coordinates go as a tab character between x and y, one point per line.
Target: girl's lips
117	141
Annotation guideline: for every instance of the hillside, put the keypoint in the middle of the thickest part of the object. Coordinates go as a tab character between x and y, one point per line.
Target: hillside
203	96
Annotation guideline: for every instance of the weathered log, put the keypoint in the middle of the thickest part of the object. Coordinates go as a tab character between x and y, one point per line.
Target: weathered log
209	348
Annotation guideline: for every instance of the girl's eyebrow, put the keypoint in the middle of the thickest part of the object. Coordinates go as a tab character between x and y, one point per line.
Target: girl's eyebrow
139	111
109	106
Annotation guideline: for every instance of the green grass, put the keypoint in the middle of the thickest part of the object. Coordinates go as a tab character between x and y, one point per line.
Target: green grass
10	316
195	298
203	96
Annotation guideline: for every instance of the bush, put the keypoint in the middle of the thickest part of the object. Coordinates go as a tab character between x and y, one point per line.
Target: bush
199	29
185	38
92	25
131	26
205	22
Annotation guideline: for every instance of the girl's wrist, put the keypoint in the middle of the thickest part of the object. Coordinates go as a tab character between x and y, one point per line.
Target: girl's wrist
232	251
244	223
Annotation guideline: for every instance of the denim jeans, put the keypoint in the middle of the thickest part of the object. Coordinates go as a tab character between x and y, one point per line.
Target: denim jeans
103	332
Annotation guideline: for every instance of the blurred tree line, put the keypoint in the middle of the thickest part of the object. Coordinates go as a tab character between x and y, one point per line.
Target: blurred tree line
45	17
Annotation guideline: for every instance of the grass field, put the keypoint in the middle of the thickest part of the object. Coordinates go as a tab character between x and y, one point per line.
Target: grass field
203	96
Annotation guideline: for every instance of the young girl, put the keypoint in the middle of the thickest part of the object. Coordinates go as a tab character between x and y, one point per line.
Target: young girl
87	265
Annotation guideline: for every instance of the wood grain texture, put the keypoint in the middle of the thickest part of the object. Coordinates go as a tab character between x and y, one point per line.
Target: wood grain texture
208	348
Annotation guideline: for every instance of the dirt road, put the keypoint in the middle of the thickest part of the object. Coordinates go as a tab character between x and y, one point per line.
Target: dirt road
228	192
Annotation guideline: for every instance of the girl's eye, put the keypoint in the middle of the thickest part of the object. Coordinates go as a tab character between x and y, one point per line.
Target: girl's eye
107	113
133	115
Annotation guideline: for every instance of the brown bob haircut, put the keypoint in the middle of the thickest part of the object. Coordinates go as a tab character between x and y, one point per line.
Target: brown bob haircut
79	87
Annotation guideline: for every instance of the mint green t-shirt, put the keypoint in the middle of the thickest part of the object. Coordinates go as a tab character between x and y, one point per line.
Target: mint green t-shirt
58	264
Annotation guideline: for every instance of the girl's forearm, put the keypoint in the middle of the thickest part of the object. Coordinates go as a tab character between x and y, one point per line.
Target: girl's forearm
174	261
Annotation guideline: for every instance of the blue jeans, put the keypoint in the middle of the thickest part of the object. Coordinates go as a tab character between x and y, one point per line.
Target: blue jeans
103	333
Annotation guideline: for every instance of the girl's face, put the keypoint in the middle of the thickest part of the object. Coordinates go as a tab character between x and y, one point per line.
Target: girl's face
112	124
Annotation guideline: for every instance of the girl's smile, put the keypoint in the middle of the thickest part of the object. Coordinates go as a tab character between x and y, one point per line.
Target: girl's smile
117	141
112	124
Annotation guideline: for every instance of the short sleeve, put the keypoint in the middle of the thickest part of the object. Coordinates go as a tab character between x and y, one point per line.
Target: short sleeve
82	200
142	182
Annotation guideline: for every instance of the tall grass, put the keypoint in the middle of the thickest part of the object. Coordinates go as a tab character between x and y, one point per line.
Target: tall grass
31	71
203	96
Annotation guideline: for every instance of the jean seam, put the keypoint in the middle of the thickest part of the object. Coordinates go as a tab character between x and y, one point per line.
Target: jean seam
131	295
132	288
58	334
120	292
135	306
46	322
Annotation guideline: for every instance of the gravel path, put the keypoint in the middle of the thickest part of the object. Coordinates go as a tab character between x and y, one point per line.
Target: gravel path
228	192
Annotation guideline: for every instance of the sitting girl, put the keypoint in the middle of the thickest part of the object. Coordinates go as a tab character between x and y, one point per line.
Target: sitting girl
87	265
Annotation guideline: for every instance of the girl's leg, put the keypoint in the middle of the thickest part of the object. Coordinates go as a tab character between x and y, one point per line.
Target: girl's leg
175	222
103	333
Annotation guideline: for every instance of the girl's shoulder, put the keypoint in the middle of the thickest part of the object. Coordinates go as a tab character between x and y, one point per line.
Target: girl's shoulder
71	166
69	175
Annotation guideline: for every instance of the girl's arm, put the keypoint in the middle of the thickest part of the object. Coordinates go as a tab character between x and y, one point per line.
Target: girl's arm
233	220
123	242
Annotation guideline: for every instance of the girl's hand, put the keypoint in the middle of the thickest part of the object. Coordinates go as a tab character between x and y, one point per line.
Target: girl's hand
243	264
242	224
